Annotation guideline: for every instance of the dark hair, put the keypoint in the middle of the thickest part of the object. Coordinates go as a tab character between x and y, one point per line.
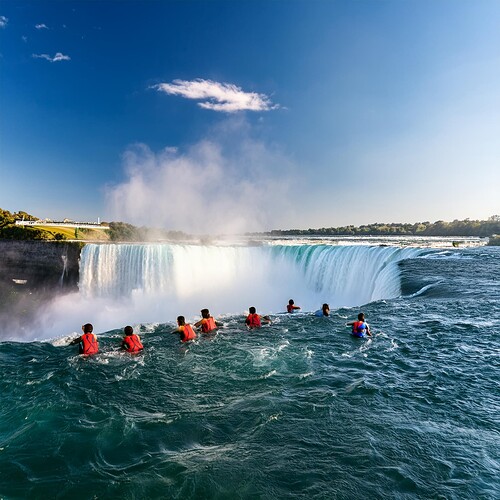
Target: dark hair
251	310
205	313
361	316
325	307
128	330
291	302
88	328
181	320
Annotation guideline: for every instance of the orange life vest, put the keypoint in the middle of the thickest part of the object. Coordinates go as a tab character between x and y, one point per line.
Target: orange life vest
187	333
132	343
208	325
253	321
89	344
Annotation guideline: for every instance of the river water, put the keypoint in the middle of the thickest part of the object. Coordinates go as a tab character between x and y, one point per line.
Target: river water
297	409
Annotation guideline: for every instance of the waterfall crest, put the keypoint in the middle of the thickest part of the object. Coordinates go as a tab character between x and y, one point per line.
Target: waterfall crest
339	275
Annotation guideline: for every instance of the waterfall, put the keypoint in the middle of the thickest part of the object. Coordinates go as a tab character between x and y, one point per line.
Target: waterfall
232	278
349	275
146	283
65	269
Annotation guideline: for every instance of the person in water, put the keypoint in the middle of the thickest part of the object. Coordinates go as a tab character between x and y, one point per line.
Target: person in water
324	311
131	342
88	341
360	328
185	330
207	322
291	307
254	320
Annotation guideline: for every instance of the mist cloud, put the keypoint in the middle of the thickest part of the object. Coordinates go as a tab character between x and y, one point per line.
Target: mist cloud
206	190
216	96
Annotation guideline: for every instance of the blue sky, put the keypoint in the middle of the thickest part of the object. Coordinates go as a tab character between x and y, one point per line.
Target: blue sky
217	116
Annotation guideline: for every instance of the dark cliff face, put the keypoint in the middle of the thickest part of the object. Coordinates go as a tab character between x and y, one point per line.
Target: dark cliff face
43	265
32	273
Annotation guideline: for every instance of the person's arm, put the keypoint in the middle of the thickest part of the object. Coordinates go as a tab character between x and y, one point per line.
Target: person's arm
199	323
296	307
267	319
368	332
75	341
218	324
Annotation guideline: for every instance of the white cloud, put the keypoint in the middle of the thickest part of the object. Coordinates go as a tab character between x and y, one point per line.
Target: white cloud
58	57
24	39
207	189
41	26
217	96
3	21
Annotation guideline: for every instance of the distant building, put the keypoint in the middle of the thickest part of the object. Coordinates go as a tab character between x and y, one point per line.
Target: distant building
64	223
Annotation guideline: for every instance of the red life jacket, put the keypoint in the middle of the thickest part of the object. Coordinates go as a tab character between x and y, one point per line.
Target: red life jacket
290	308
89	344
253	321
187	333
132	343
359	328
208	325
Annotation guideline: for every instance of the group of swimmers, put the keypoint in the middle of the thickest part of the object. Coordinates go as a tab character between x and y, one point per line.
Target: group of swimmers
89	345
131	342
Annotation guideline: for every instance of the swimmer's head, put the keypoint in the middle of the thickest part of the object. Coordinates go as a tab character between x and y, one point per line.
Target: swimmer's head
181	320
87	328
361	316
128	330
252	310
205	313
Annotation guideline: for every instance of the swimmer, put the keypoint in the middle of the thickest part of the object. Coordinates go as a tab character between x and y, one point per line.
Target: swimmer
185	330
291	307
360	328
254	320
131	342
324	311
88	341
207	322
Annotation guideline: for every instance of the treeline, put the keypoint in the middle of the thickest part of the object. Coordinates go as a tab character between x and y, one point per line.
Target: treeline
9	230
467	227
121	231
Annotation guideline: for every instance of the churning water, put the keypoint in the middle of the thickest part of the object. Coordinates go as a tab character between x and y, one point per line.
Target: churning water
297	409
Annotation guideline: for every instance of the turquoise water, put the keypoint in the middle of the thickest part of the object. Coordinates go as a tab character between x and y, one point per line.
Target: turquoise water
298	409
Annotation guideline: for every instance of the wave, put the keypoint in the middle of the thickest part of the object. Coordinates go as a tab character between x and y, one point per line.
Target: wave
424	290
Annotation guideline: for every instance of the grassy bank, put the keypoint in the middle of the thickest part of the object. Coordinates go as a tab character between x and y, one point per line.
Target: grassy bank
70	233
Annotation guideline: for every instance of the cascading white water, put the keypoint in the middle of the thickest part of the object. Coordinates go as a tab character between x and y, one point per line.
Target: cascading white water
154	283
349	275
339	275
